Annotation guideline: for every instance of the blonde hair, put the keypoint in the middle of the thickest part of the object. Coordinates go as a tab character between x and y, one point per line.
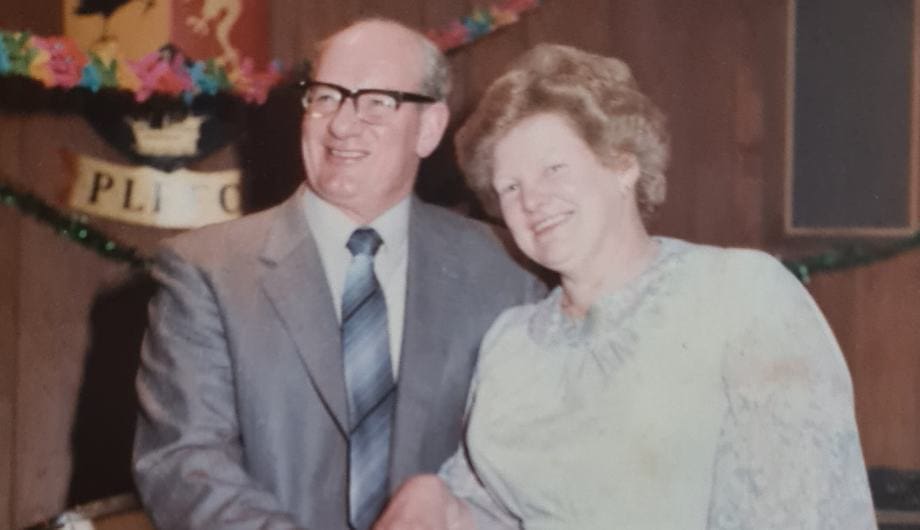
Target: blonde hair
597	95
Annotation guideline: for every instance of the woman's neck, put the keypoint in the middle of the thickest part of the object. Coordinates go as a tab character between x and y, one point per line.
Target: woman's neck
618	261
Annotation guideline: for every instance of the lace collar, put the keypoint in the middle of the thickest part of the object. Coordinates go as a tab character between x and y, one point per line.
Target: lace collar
605	322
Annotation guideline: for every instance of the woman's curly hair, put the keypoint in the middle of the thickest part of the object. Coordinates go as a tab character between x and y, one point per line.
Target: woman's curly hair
597	95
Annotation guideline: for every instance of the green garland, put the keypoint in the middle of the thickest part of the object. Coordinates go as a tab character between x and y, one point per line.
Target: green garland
849	257
74	229
70	227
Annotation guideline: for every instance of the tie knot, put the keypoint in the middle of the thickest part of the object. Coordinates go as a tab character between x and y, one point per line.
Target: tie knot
364	241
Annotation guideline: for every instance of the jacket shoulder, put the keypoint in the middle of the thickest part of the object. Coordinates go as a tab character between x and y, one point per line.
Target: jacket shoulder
242	237
470	235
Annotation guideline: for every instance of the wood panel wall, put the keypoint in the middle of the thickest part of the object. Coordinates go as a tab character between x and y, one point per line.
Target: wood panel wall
718	70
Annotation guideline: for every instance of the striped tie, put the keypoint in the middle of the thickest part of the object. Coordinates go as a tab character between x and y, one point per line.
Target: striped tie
368	380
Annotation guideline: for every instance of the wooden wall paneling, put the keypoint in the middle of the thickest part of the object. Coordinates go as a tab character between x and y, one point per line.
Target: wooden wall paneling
10	261
38	16
771	39
53	323
408	12
873	311
65	330
53	320
489	57
289	19
297	26
707	57
585	24
694	77
745	138
436	14
755	25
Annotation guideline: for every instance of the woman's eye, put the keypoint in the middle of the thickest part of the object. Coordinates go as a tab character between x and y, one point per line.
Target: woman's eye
555	168
504	189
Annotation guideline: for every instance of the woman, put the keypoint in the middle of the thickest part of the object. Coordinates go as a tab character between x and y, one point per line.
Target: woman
663	384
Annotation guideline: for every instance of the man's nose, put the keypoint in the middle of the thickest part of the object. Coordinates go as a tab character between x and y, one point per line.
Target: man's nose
345	120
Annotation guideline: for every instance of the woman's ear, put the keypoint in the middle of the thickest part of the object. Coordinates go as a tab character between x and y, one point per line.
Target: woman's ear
434	120
627	169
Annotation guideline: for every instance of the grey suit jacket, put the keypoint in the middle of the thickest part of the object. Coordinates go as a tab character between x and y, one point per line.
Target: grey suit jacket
241	382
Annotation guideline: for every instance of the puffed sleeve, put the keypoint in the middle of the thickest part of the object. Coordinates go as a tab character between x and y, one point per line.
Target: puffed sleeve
457	471
463	483
788	456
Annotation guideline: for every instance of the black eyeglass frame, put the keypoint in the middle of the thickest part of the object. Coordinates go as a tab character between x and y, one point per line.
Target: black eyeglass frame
399	96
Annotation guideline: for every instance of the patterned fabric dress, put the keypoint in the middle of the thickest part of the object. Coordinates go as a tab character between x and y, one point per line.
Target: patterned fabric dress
708	394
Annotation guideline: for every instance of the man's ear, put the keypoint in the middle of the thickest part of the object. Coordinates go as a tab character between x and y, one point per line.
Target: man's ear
434	118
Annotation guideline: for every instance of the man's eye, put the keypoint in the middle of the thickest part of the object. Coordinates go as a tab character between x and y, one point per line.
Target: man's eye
382	101
555	168
324	97
505	189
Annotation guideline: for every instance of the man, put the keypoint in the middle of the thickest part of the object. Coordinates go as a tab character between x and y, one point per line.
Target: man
303	361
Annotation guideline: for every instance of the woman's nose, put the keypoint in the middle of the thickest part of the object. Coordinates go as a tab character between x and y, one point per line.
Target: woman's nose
532	197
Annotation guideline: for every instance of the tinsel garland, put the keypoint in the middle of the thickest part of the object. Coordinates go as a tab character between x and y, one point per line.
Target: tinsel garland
70	227
479	23
58	62
849	257
76	230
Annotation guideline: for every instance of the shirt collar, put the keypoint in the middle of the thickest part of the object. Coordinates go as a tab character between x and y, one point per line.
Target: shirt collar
330	223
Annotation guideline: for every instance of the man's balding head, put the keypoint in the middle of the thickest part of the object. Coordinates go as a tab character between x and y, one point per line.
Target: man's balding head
414	46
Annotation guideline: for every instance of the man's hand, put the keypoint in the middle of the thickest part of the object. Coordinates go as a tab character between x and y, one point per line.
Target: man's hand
425	503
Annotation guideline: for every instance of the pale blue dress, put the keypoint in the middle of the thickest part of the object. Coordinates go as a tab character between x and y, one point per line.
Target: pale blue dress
708	394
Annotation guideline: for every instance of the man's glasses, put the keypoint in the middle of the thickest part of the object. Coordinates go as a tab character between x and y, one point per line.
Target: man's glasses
372	105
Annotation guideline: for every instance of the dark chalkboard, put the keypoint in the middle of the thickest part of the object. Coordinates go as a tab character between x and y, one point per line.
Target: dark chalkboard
851	163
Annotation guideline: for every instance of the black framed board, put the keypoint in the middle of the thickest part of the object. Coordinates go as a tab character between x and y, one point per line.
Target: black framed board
851	147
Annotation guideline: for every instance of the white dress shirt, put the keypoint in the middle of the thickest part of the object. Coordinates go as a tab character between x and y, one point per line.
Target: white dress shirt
331	229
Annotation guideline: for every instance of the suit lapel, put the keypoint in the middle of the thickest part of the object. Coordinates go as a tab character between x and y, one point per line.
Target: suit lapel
433	273
296	285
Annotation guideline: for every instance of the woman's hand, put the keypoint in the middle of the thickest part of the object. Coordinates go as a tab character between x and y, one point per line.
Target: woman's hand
424	503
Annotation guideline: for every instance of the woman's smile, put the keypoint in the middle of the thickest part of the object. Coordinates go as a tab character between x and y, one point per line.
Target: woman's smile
546	224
